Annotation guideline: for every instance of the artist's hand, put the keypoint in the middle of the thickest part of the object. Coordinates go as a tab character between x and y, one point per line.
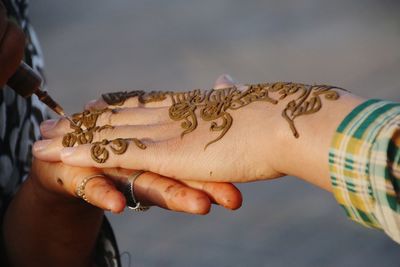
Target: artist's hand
12	44
57	181
46	210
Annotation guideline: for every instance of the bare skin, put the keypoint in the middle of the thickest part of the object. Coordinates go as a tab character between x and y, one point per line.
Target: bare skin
259	144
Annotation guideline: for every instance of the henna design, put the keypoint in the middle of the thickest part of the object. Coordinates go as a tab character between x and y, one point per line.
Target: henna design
139	143
118	146
308	102
98	151
84	126
215	105
119	98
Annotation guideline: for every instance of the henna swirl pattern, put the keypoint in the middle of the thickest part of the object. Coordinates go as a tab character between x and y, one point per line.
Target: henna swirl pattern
84	126
215	105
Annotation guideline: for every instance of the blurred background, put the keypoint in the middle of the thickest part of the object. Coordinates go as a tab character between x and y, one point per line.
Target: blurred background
97	46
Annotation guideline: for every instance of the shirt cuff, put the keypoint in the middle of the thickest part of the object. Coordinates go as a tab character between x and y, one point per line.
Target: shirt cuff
364	163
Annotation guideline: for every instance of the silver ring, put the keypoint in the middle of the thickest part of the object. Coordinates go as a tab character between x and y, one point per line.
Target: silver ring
131	200
80	189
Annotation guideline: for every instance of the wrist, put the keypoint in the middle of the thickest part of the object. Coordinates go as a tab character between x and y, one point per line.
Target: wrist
306	157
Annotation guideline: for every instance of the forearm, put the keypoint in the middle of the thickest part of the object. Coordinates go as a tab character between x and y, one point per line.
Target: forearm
306	157
41	231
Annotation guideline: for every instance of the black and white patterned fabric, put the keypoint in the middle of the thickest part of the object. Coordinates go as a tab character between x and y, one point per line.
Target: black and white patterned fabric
19	117
19	128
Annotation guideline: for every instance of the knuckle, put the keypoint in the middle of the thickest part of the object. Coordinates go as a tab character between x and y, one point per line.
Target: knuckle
104	134
107	117
175	190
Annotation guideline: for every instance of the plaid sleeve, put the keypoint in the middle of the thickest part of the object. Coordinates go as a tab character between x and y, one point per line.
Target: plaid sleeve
364	162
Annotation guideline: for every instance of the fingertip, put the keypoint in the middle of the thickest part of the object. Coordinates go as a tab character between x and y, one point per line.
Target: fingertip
102	193
116	203
200	205
232	198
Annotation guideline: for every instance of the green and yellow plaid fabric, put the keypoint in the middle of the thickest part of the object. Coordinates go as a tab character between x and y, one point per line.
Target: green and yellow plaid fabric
364	162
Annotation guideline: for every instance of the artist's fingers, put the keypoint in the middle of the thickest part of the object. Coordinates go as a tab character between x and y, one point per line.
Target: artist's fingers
99	190
102	193
171	194
224	194
153	189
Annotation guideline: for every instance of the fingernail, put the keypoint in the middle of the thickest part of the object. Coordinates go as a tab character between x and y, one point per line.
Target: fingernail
66	152
41	145
90	103
96	104
48	125
228	78
224	81
225	78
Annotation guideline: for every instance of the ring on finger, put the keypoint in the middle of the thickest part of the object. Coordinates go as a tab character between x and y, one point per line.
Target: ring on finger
131	200
80	189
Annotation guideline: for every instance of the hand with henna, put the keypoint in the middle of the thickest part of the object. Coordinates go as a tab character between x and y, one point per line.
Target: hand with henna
230	133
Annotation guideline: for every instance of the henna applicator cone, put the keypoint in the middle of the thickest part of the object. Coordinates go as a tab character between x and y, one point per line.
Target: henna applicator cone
25	81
